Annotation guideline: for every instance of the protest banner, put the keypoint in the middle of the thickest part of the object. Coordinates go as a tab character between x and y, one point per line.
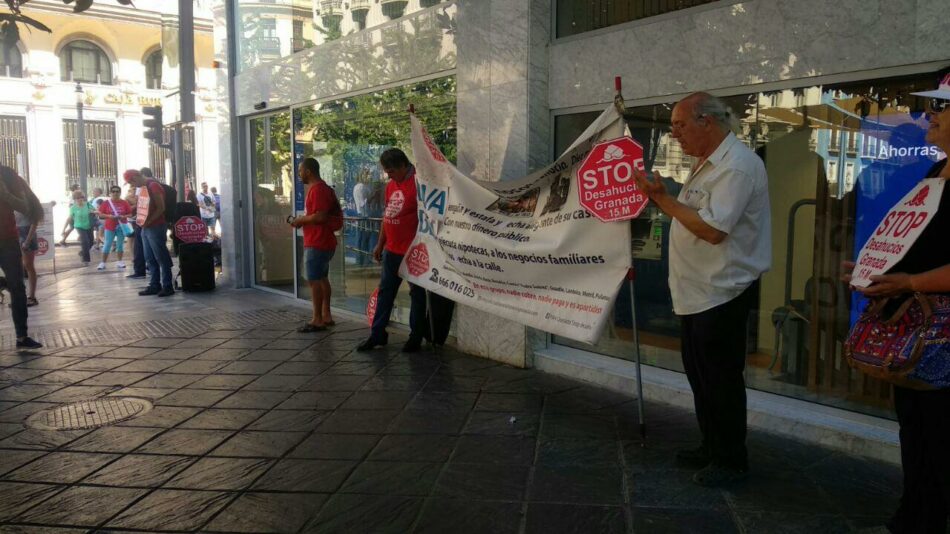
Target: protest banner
525	250
897	231
44	235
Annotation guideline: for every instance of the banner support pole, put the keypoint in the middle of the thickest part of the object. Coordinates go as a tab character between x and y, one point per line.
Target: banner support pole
636	353
412	111
618	101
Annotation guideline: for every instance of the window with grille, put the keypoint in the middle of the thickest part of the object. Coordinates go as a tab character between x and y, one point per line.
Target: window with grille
13	151
579	16
84	61
100	153
11	60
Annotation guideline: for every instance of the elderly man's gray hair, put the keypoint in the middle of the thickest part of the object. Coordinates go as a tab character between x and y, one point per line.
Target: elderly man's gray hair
711	106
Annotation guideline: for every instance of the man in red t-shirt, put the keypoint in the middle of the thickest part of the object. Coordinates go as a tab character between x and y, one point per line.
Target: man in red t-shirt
322	219
15	195
400	220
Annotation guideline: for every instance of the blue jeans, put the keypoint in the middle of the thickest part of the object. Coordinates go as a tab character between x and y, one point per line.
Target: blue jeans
389	283
154	241
12	265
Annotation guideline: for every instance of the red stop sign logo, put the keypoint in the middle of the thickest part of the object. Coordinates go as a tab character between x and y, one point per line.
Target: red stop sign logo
605	180
371	306
42	246
417	260
191	230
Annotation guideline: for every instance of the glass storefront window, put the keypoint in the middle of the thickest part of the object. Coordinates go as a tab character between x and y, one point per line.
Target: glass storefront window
268	30
346	137
837	158
272	195
579	16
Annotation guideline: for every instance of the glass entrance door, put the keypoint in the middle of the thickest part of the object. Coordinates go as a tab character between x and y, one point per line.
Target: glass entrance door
272	196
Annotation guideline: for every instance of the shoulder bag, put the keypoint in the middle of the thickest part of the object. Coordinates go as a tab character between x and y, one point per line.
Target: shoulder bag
904	340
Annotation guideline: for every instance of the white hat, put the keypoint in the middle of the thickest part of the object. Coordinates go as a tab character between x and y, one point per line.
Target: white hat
942	92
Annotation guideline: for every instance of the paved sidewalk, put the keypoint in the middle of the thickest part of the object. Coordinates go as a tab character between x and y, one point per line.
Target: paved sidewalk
256	428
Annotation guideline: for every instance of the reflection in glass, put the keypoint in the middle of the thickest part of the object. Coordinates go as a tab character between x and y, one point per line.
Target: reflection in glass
272	195
277	28
346	137
837	158
578	16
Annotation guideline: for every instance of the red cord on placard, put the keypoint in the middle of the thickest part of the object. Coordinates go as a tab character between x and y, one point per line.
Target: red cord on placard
618	85
630	275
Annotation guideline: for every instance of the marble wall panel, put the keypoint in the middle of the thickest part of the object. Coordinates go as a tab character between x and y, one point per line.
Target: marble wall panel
745	43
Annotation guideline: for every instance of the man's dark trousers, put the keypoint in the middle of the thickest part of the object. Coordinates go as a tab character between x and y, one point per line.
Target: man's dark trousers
389	283
11	263
714	350
138	252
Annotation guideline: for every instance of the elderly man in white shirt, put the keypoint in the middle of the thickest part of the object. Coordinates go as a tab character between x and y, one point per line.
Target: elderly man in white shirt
720	244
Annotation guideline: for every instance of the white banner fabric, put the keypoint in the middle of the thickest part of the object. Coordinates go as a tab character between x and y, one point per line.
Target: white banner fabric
524	249
44	235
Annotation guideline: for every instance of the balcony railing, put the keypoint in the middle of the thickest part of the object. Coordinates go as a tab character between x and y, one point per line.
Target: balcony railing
328	7
360	5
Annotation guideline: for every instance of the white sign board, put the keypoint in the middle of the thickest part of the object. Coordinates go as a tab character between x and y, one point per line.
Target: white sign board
897	231
44	235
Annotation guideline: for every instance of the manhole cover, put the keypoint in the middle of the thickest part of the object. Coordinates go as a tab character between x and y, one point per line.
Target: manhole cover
89	414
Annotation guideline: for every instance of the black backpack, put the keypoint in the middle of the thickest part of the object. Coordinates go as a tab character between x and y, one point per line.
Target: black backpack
171	202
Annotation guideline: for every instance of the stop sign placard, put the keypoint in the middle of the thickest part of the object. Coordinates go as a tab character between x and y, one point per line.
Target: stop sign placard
191	230
605	181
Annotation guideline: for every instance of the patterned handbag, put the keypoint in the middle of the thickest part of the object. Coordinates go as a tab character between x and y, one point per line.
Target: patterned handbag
909	347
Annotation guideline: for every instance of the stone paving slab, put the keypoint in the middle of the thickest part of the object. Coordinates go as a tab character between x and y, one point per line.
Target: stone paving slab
257	428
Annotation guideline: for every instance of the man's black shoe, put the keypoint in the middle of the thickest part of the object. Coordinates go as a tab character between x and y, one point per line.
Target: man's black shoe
149	291
166	292
28	343
371	343
413	345
716	476
134	275
697	458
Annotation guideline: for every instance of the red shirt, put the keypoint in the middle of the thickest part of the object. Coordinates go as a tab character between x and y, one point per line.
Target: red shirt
401	216
320	197
122	209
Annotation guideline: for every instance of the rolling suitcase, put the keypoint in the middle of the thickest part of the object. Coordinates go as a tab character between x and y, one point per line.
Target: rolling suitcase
196	266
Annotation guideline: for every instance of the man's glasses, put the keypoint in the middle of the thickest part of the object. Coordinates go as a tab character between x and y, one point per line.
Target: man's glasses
116	191
936	105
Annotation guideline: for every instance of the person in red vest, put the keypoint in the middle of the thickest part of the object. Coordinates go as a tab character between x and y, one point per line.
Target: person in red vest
400	220
15	195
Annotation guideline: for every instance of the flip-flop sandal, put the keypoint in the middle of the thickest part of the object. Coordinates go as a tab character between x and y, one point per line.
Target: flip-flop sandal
307	328
31	301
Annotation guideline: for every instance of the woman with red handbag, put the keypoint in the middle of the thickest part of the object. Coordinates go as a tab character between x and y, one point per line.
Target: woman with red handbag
919	281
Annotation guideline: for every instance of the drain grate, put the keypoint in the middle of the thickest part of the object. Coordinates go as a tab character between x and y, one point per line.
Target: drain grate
89	414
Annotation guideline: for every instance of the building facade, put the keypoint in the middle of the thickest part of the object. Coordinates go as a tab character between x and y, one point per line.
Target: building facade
823	91
109	58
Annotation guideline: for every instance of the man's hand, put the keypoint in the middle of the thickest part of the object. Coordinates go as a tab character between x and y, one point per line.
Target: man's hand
378	254
888	285
295	222
653	188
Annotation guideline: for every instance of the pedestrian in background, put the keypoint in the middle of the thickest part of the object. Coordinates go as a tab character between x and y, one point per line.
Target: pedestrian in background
323	217
80	218
15	195
720	244
206	207
114	213
97	199
217	204
67	228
